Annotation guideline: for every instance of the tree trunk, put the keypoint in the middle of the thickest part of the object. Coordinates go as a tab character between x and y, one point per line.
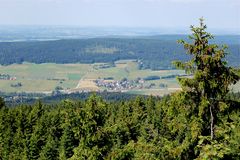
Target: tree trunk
212	123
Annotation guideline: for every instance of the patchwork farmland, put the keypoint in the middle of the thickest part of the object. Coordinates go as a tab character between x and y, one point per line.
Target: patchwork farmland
121	76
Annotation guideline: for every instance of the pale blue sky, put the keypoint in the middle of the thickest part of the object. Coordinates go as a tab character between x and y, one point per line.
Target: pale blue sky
220	14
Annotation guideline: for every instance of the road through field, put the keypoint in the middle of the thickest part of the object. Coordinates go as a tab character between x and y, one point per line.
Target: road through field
85	83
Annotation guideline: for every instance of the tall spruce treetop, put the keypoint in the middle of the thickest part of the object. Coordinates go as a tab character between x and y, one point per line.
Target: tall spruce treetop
211	75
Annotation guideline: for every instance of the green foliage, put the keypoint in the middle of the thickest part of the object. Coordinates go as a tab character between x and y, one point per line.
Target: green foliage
178	126
67	143
206	91
143	128
50	150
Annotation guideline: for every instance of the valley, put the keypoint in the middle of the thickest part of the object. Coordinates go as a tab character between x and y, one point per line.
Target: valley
122	76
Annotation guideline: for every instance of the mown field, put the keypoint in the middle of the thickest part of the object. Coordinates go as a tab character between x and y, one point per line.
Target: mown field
76	77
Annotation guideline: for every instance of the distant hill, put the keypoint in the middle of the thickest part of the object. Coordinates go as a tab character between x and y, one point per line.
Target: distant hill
155	52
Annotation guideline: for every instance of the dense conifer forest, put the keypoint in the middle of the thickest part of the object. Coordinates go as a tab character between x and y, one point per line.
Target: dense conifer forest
200	122
154	52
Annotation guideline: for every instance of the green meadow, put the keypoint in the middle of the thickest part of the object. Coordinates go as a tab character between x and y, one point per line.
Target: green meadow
46	77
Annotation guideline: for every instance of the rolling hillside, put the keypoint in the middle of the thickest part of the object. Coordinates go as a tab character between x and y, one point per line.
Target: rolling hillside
154	52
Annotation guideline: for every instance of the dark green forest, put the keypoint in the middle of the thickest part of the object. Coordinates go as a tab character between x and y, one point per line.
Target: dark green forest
154	52
96	129
30	98
202	121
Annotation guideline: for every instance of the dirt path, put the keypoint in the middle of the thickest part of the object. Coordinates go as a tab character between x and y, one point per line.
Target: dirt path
86	83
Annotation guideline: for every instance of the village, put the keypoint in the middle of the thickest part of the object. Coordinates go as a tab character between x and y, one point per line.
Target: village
120	85
7	77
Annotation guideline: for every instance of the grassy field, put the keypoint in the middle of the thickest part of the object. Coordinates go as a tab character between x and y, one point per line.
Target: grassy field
46	77
42	77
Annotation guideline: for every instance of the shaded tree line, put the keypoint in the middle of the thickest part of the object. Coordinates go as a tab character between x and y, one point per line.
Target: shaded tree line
32	98
155	52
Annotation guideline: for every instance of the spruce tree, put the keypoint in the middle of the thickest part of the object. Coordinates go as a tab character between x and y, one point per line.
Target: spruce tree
67	143
211	75
50	150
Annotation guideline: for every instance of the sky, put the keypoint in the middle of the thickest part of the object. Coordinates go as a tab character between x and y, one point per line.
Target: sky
219	14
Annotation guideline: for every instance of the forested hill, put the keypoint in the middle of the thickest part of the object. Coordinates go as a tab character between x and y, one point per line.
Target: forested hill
155	52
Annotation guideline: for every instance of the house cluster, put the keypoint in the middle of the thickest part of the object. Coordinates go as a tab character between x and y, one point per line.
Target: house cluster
121	85
7	77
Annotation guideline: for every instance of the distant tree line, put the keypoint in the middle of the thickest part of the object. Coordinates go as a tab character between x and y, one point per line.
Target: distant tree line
32	98
152	52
